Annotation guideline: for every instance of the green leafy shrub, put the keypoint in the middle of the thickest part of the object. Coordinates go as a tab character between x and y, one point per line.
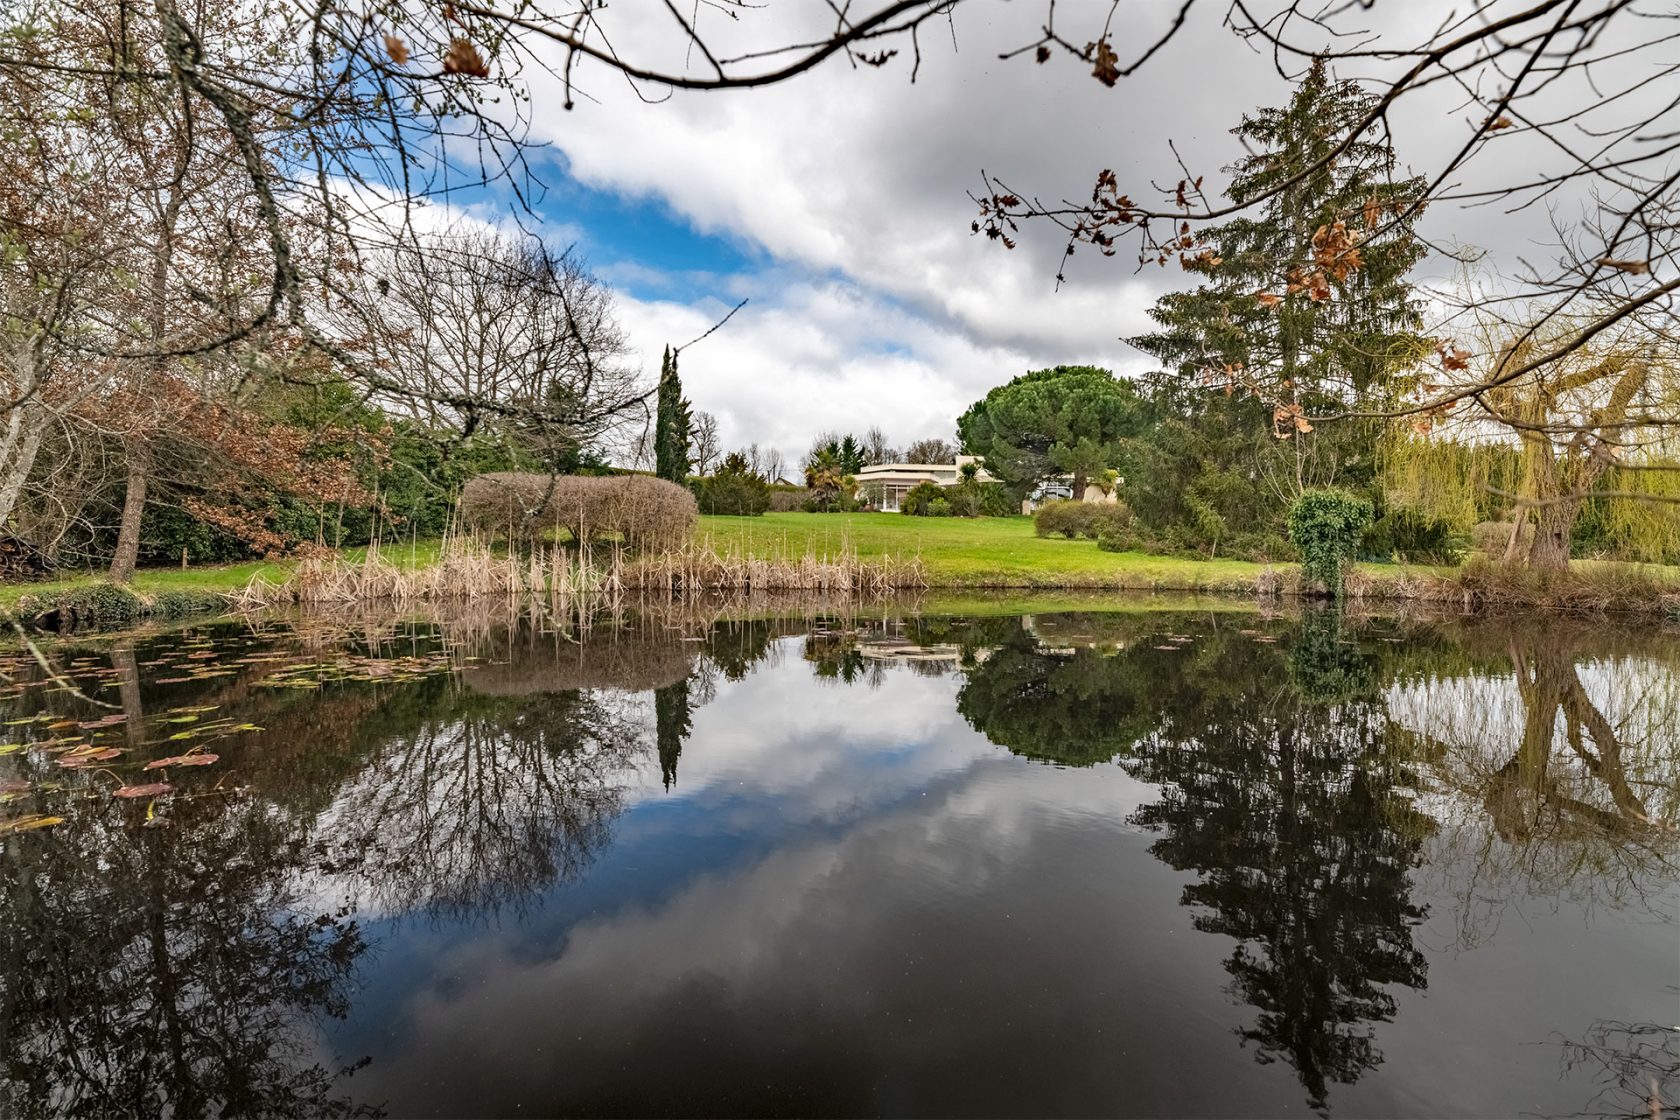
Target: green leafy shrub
1326	525
732	490
1082	519
919	501
997	500
939	507
96	605
1414	538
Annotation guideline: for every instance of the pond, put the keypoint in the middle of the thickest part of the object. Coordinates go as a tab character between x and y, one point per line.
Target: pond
1140	862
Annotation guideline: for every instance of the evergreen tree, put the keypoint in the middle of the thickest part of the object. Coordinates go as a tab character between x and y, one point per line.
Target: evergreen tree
672	425
673	720
1305	308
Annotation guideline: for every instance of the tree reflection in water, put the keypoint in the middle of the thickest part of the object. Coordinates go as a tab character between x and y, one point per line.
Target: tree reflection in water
168	971
1293	792
1310	776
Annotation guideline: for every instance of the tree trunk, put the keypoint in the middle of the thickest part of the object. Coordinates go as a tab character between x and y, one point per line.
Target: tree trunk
1550	550
1079	484
134	504
22	444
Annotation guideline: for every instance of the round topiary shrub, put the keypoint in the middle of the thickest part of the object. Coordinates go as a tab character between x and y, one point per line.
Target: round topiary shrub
1326	525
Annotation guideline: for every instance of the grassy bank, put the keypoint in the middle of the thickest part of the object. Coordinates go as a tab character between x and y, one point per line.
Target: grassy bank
987	552
996	555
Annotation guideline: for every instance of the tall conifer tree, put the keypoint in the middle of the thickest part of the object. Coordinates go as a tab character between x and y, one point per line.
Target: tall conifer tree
1305	308
672	424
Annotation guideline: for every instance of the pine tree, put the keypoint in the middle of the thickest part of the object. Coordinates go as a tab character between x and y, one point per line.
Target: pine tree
672	425
1305	309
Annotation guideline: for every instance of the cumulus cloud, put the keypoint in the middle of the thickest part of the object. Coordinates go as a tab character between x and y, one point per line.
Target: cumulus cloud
875	304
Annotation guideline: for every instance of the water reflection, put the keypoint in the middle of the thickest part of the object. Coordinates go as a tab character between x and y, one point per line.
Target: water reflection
827	855
152	971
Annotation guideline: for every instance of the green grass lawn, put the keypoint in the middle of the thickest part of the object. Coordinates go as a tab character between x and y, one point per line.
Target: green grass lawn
978	552
221	578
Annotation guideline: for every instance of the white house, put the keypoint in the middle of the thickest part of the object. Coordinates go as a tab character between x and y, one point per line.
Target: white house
887	483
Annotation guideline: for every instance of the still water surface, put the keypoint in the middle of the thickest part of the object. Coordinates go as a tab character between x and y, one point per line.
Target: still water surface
1133	863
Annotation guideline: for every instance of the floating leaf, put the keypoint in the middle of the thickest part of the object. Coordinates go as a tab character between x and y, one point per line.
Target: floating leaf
150	789
27	822
203	758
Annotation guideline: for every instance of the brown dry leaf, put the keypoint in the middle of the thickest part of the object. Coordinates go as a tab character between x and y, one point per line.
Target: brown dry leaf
1107	64
203	758
463	58
1632	268
397	49
1268	300
1500	124
1373	212
150	789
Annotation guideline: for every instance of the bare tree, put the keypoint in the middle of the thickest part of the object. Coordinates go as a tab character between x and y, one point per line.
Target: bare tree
703	445
478	330
876	449
932	450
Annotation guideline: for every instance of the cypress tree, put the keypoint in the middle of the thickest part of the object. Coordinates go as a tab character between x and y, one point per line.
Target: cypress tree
672	424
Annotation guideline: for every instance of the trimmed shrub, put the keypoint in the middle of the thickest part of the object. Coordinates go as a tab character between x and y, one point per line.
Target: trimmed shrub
1082	519
1325	525
645	513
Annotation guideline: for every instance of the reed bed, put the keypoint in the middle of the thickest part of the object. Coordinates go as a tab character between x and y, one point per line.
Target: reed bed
469	569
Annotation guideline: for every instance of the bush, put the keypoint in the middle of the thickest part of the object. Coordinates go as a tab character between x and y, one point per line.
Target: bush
919	501
739	495
997	500
1082	519
788	499
97	605
1325	525
646	513
1413	538
939	507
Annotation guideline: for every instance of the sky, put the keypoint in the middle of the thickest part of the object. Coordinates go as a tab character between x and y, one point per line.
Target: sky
837	205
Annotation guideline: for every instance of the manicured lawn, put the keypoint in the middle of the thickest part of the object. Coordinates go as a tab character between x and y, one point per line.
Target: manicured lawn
979	552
